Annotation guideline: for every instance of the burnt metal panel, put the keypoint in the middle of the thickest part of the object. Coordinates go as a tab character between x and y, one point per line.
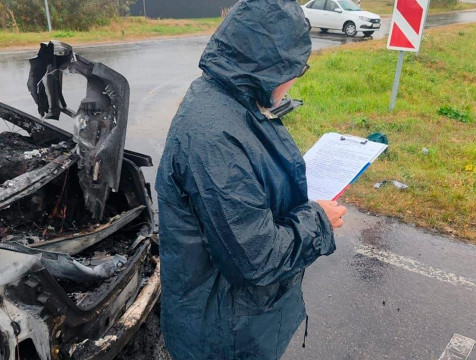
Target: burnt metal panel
108	346
74	244
97	291
100	122
44	133
30	182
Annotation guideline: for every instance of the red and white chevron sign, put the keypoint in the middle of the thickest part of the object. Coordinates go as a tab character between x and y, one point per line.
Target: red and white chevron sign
406	29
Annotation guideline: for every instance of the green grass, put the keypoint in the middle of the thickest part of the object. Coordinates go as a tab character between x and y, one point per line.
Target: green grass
121	29
348	90
385	7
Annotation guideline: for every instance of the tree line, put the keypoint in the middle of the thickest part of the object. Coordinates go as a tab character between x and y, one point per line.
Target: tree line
30	15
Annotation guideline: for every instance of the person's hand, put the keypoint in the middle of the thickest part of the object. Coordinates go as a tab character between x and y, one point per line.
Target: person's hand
334	212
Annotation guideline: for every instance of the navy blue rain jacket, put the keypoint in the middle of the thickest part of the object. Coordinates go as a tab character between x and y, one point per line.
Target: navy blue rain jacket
236	227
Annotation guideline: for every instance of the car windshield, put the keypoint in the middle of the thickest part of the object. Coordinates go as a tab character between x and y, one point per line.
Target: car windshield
348	5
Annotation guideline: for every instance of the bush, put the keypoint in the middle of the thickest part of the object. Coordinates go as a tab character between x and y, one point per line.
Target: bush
29	15
15	13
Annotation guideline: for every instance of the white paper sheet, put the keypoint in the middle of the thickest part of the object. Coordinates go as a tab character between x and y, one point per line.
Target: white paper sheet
335	160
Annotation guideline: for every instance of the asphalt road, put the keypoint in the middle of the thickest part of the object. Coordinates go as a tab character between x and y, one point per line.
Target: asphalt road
391	291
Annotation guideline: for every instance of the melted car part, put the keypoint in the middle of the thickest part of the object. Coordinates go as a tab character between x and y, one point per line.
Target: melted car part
74	244
103	284
54	320
64	267
25	167
25	336
16	265
43	133
126	326
46	79
4	348
100	122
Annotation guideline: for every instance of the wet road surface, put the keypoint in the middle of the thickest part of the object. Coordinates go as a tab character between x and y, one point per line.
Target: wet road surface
389	292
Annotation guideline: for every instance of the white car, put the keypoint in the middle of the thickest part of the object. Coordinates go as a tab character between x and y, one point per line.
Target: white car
341	15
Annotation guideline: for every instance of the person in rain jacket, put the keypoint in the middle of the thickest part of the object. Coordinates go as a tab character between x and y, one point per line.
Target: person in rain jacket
236	226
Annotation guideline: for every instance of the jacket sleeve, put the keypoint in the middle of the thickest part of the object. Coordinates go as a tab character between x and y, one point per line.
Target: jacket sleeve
246	242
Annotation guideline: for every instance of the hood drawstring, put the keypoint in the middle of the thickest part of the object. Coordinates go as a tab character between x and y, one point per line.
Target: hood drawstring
305	332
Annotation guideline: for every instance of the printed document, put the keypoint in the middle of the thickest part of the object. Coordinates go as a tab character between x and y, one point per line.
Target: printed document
335	161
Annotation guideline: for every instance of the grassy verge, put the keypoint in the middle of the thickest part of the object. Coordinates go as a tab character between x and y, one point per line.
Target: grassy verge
348	90
121	29
385	7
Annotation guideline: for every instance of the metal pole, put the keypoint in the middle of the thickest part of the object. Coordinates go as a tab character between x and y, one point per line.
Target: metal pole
143	2
48	15
396	82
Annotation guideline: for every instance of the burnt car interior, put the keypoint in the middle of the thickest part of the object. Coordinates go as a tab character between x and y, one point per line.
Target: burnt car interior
78	254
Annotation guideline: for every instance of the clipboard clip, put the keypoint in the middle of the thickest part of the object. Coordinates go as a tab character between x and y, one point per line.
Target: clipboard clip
354	138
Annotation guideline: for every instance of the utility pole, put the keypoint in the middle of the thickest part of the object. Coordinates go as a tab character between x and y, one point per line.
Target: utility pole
143	3
48	15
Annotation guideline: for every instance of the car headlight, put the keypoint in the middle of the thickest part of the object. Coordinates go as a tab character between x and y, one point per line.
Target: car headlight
364	18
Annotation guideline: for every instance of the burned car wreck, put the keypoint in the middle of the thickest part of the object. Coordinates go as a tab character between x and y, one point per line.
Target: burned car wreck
79	268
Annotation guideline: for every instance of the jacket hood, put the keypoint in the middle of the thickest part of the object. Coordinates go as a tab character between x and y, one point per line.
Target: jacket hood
258	46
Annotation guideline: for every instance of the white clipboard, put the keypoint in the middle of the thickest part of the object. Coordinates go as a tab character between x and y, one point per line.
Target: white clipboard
335	162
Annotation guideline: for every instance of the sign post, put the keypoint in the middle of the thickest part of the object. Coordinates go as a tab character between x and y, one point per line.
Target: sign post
48	15
406	31
396	82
